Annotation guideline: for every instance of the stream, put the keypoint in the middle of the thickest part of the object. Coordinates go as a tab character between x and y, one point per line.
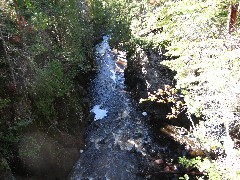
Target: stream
119	143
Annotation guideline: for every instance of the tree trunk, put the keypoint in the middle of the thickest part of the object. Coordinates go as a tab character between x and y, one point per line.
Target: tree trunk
232	17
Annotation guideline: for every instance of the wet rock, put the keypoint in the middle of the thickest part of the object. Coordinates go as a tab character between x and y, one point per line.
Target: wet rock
46	157
167	168
109	164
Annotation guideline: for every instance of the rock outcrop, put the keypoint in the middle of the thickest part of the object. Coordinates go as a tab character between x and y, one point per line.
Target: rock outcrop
144	75
144	72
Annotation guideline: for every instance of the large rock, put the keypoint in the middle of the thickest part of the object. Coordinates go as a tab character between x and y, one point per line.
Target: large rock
48	150
145	74
47	157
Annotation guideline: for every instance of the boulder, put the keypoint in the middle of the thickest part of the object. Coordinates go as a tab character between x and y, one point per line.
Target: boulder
144	72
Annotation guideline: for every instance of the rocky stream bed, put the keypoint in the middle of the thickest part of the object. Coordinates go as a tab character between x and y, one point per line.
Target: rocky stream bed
122	142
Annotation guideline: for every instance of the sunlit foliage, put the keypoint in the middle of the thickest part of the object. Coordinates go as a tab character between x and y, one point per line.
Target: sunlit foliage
111	17
167	96
44	45
206	59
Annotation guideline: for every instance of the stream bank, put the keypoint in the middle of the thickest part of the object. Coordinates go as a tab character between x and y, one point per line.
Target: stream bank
45	58
145	74
33	145
120	143
49	150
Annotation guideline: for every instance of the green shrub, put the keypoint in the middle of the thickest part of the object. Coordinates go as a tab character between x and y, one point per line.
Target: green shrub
167	96
206	61
10	134
207	72
4	102
213	169
112	17
50	84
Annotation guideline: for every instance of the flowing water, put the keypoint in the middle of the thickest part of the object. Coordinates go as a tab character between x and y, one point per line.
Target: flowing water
119	140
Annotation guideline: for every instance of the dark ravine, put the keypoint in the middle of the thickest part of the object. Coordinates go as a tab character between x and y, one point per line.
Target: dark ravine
120	144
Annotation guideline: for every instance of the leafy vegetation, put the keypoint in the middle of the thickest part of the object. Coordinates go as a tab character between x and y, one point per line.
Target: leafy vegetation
170	97
45	44
112	17
50	84
4	103
212	169
205	55
11	135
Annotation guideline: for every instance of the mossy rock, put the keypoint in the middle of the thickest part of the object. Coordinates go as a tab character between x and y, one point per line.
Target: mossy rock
48	157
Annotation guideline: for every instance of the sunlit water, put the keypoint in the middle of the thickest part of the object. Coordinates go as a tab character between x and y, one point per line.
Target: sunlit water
119	142
118	135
